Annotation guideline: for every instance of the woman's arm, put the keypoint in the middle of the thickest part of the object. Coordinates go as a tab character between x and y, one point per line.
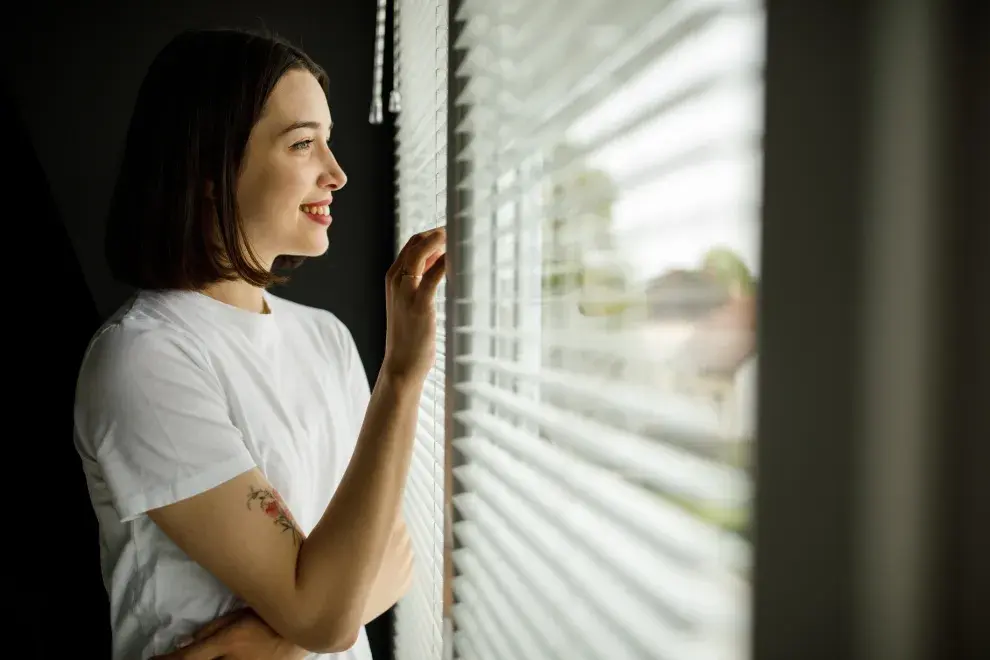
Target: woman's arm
316	592
395	575
244	635
240	634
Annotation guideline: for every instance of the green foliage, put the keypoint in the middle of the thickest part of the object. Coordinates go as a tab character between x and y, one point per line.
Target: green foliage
730	270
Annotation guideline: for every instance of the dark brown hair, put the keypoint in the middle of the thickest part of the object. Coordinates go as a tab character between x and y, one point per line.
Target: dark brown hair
198	102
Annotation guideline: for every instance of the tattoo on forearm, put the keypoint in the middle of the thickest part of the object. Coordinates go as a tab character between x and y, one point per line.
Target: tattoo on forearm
271	504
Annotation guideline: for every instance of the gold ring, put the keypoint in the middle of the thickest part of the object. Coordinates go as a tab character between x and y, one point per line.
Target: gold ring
406	273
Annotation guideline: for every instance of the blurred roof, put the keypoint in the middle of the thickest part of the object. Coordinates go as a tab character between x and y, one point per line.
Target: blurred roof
722	341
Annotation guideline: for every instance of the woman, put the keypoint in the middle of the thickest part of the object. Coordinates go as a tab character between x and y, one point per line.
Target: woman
238	465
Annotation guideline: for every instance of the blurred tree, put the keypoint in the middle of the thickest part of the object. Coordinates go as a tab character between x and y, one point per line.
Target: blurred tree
579	252
729	269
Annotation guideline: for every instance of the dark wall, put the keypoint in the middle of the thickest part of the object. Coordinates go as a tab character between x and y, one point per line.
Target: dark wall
70	79
75	73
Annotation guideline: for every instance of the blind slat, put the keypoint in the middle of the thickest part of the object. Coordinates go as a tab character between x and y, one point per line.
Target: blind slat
574	596
485	604
680	590
537	600
682	416
637	620
480	635
638	458
420	173
534	625
680	533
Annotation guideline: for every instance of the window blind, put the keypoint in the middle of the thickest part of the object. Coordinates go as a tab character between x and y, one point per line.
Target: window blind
420	101
607	171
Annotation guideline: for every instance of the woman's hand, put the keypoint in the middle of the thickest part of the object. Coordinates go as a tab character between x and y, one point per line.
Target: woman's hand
410	293
240	635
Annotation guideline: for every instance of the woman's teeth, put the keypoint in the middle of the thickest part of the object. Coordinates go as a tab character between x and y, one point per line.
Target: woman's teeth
316	210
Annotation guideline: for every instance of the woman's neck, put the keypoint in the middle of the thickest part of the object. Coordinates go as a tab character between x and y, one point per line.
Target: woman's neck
238	294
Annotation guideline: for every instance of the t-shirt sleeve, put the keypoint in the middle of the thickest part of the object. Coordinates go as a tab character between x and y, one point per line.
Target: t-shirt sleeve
151	412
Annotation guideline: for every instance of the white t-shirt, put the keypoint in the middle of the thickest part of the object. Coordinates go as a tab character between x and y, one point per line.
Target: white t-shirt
179	393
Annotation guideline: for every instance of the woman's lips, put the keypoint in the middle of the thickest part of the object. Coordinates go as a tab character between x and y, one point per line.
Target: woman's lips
319	213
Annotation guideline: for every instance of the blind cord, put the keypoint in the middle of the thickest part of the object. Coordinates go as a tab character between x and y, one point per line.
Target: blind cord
376	114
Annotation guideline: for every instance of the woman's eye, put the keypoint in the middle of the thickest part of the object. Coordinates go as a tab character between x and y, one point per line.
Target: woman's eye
302	145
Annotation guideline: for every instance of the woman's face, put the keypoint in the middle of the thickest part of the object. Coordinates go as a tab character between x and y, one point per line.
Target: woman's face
288	175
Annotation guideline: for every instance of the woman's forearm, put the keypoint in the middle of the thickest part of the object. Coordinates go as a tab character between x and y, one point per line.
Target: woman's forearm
394	575
347	546
382	596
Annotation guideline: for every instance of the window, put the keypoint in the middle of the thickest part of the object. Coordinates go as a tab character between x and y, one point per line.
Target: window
606	234
420	54
604	199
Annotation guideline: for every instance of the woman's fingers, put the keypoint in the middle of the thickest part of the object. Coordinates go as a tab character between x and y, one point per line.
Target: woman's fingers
410	344
432	277
203	642
402	259
219	623
428	248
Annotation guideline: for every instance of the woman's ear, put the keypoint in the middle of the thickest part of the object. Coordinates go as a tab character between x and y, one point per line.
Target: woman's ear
208	190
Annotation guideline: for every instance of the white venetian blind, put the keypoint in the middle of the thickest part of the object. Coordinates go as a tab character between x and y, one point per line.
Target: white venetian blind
608	158
420	50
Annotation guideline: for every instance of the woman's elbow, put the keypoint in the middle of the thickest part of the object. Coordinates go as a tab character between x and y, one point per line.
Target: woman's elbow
333	639
328	632
345	641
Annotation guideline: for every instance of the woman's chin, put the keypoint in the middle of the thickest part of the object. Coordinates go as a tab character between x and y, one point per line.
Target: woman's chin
315	246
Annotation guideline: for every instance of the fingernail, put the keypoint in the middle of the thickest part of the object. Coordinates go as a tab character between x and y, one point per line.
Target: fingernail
184	642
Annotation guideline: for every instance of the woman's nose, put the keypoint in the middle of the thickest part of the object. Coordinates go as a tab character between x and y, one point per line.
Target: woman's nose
333	178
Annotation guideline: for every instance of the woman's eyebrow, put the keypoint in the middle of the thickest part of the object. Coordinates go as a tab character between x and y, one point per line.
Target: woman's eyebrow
302	124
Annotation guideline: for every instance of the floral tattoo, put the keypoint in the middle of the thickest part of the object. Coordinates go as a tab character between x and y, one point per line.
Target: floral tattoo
272	505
